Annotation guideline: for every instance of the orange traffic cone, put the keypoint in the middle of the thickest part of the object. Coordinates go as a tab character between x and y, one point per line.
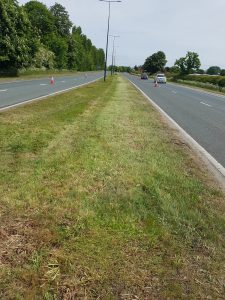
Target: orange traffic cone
52	80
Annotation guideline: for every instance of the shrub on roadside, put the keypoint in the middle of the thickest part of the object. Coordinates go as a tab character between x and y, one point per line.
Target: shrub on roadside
209	86
204	78
212	82
221	84
9	72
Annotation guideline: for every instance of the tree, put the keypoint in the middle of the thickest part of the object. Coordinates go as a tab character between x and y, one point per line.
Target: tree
59	47
33	35
174	70
188	64
214	70
222	72
100	57
16	42
61	19
72	53
41	18
156	62
201	71
44	58
221	84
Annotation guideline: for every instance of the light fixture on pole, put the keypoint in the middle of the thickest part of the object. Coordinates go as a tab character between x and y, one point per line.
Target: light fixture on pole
107	40
114	37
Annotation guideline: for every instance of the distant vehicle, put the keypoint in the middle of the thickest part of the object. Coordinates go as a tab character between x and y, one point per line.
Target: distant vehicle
160	78
144	76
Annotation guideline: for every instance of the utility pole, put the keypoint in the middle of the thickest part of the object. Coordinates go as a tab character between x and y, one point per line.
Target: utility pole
107	39
113	53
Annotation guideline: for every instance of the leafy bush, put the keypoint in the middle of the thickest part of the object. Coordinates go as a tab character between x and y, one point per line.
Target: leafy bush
221	84
9	72
200	78
209	86
203	81
204	78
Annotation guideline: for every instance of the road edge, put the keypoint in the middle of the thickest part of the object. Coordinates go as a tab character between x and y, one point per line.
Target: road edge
211	163
48	95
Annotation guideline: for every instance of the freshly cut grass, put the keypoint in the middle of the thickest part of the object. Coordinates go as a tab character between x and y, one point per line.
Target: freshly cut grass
100	200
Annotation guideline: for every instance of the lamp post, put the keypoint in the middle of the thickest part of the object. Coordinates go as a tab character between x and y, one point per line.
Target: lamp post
114	61
114	37
107	40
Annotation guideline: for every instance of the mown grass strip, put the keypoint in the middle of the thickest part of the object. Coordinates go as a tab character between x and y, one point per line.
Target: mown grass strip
100	200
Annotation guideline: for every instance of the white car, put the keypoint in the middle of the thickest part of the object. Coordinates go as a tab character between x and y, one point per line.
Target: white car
160	78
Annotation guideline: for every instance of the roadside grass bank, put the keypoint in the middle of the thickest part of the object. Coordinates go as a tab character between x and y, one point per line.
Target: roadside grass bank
200	86
99	199
41	74
38	72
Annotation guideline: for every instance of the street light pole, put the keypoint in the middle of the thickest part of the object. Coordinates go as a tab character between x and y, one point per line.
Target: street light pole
107	40
114	61
114	37
107	43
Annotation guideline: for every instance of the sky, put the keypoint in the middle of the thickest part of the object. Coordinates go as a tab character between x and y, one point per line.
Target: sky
148	26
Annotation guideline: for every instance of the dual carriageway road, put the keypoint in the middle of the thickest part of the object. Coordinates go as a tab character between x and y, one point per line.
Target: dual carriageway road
200	114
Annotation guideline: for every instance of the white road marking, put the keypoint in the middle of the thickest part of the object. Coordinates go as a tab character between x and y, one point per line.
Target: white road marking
43	84
3	90
63	81
206	104
174	92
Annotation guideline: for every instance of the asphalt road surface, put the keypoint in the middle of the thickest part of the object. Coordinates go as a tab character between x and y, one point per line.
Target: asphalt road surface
200	114
12	93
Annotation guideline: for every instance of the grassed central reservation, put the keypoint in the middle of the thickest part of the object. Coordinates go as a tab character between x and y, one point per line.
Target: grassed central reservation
100	200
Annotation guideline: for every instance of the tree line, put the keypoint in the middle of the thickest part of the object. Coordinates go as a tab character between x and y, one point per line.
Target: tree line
186	65
185	69
36	36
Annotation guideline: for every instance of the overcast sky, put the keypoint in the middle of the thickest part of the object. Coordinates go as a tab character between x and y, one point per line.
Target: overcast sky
147	26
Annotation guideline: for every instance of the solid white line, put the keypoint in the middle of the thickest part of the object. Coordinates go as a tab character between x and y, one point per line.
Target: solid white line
48	95
43	84
208	158
206	104
3	90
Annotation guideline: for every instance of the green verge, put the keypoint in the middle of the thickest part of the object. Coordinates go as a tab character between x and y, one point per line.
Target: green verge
100	200
29	74
206	87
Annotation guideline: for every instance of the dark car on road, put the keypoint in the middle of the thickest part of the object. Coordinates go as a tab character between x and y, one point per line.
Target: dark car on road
144	76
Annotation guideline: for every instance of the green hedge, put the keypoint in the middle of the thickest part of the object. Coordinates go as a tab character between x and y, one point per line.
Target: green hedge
208	86
221	83
201	78
10	72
